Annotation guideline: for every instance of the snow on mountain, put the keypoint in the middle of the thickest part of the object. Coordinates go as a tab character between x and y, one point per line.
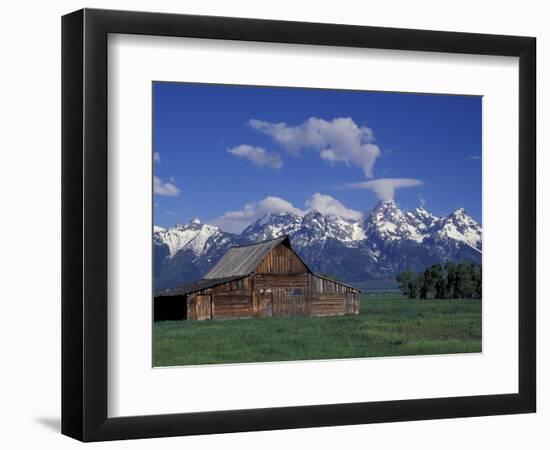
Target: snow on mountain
313	228
194	236
346	231
184	253
421	219
387	241
272	226
388	223
459	227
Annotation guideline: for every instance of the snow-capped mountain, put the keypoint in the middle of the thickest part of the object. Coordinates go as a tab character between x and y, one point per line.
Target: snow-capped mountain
460	227
195	236
272	226
457	235
387	222
385	242
185	253
422	217
313	228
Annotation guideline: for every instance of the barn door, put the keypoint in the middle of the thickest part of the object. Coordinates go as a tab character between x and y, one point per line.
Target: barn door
203	307
349	303
289	302
266	303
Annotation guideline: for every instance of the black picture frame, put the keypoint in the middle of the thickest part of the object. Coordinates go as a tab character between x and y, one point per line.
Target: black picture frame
84	224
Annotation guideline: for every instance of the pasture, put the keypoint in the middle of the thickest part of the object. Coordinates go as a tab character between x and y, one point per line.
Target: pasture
388	325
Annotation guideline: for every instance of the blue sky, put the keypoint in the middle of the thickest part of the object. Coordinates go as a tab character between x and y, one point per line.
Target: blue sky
229	154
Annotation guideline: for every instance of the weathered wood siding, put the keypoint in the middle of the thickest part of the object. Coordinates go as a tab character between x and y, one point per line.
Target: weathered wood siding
232	306
327	305
320	285
330	298
281	261
290	302
281	285
231	300
203	307
282	296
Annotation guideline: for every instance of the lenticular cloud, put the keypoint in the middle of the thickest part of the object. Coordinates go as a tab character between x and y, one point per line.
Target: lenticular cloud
385	187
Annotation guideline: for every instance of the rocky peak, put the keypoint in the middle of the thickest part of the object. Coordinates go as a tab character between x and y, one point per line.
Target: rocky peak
459	227
193	236
386	241
460	218
272	226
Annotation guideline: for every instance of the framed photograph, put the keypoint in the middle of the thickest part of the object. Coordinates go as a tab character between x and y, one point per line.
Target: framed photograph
273	225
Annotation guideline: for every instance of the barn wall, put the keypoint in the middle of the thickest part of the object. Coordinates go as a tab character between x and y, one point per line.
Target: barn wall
281	261
277	288
328	297
231	300
268	281
328	305
321	285
191	307
232	306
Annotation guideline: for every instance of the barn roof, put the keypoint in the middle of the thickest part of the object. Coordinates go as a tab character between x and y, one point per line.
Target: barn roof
196	286
243	260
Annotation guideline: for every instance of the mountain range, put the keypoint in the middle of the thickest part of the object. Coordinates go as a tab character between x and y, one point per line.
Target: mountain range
386	241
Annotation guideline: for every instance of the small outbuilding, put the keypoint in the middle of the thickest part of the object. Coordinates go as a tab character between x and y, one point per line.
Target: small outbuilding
258	280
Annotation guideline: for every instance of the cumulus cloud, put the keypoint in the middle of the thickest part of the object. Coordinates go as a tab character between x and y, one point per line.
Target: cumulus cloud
236	221
338	141
385	187
166	188
258	156
156	157
328	205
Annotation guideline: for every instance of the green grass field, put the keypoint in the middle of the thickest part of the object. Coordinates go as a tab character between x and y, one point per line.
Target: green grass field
388	325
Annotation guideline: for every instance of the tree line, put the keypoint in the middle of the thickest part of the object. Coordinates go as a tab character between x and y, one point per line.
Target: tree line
445	281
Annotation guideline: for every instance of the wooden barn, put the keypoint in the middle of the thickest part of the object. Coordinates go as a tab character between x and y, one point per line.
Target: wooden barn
258	280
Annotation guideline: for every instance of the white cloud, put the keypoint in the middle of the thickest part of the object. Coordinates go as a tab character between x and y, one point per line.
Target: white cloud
475	157
328	205
236	221
385	187
338	141
156	156
258	156
168	188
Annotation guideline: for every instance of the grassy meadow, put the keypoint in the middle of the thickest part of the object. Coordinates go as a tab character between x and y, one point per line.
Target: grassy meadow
388	325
